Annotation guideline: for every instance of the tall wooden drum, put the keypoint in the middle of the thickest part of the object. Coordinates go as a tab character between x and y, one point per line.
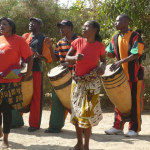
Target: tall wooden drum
60	78
27	91
118	90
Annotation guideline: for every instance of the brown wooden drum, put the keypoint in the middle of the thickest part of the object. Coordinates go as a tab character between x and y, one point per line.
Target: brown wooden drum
27	91
118	90
60	78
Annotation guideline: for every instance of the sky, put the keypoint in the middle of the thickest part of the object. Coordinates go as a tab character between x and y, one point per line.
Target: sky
66	2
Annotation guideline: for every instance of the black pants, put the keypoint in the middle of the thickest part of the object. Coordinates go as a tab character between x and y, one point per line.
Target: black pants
5	110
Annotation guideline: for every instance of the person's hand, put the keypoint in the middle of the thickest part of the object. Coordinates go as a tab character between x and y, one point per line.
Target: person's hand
49	42
36	54
24	77
101	70
79	57
115	65
65	64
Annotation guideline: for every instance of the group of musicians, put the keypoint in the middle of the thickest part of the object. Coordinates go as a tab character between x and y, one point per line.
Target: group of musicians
81	55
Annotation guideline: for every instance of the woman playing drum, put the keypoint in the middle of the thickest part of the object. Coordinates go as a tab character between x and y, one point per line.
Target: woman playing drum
12	49
86	53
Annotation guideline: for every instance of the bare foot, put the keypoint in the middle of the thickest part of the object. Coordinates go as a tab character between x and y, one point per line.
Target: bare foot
77	147
4	144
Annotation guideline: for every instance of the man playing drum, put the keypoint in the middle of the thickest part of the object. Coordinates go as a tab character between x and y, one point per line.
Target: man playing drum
57	117
127	47
36	41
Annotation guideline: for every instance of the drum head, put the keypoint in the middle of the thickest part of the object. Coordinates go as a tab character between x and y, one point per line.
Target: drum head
109	73
57	71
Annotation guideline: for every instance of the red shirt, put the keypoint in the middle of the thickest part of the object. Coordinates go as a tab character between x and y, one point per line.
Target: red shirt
12	49
92	53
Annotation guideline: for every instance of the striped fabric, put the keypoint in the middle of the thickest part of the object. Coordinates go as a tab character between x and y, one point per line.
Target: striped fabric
137	90
124	46
62	48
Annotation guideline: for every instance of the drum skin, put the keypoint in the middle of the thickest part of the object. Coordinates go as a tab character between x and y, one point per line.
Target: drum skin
118	90
62	85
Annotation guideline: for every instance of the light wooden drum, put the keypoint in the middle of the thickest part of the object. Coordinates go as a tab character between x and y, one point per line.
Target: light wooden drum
118	90
60	78
27	91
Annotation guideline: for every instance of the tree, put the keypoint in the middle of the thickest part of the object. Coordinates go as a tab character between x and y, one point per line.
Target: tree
138	11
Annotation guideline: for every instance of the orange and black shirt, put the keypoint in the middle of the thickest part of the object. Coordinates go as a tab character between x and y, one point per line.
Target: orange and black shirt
62	47
37	44
123	45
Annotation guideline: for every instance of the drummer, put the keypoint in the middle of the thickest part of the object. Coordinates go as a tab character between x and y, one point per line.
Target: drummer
57	117
36	41
128	46
12	49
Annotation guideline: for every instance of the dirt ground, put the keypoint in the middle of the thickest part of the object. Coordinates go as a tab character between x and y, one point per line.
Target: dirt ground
21	139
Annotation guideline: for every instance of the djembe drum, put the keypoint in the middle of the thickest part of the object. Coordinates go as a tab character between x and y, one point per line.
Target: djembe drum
60	78
27	91
118	90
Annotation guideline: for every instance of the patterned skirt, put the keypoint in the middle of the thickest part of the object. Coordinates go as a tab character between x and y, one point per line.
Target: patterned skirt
12	94
85	100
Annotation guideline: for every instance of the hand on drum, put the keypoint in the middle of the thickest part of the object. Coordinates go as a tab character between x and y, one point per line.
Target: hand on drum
24	77
101	70
65	64
115	65
79	57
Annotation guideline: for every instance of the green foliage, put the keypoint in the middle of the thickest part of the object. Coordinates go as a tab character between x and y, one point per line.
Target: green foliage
138	10
77	14
6	7
22	10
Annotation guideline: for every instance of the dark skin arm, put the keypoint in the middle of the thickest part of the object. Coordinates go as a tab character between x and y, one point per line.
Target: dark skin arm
29	69
102	66
71	58
117	64
36	54
49	43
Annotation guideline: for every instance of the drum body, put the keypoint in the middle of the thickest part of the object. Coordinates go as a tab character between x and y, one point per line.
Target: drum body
118	90
60	78
27	92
